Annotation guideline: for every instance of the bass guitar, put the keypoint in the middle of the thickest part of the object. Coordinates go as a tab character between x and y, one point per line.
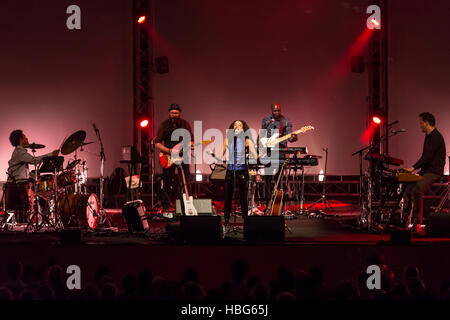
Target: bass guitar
275	138
189	209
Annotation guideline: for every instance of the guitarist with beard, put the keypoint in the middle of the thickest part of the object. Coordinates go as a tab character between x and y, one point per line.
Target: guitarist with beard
164	144
276	123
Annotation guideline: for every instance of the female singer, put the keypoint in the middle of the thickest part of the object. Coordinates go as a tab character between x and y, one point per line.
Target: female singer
237	168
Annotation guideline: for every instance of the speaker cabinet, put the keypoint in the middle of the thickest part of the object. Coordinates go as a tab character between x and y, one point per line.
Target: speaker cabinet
200	228
134	214
203	206
438	225
264	228
400	237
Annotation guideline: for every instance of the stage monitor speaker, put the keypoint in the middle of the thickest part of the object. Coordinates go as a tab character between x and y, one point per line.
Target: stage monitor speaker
134	214
264	228
200	228
204	207
438	225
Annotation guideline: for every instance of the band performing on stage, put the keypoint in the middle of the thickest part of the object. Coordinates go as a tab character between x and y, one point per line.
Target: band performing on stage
52	197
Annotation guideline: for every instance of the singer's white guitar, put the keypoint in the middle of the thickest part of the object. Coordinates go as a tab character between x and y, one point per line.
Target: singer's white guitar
273	140
189	209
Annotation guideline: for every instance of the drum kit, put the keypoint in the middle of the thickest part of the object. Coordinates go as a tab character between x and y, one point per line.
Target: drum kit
61	199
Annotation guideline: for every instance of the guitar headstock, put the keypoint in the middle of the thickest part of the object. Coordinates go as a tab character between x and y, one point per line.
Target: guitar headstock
306	128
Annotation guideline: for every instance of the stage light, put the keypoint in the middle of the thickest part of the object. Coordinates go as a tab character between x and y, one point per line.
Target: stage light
375	22
141	19
144	123
376	119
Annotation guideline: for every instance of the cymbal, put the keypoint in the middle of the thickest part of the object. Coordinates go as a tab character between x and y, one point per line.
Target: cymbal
73	142
34	146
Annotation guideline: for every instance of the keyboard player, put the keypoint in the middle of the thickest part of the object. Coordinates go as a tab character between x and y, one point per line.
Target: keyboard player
431	165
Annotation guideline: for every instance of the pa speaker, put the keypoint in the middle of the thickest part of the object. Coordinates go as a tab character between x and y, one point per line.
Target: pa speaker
200	228
203	207
264	228
400	237
438	225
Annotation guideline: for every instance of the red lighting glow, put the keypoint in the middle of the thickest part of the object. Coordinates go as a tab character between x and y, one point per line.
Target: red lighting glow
144	123
141	19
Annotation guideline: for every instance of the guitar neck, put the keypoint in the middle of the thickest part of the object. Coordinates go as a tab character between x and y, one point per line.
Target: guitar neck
288	136
184	183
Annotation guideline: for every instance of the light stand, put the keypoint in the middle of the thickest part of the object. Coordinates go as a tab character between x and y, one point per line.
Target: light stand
323	198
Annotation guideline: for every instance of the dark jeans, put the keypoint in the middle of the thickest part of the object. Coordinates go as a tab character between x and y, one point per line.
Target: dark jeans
168	184
242	183
413	197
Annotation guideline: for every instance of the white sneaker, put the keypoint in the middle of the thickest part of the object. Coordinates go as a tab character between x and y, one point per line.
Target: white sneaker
168	215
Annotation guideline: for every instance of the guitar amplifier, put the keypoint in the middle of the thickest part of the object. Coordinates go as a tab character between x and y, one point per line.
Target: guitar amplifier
204	207
135	217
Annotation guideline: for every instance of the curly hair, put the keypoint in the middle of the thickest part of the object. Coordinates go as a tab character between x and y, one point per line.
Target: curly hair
244	124
245	128
15	137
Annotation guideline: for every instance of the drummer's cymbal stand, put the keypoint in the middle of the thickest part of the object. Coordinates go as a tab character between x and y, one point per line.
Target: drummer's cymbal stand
105	220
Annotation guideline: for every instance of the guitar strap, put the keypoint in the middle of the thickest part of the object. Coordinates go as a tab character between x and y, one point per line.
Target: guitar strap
281	125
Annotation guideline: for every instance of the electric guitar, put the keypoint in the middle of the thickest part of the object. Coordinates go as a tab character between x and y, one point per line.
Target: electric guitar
167	160
275	206
189	209
274	139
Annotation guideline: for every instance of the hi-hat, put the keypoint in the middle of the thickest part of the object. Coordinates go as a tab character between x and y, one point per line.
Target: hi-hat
34	146
73	142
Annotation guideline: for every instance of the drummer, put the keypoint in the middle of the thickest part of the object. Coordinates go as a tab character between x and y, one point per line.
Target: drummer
20	194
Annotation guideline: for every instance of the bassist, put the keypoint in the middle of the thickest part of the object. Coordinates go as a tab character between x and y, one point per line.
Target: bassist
276	123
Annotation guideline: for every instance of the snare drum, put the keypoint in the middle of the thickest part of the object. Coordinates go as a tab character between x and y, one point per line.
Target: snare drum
79	210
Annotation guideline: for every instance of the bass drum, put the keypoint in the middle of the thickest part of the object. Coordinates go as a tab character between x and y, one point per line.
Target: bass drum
79	210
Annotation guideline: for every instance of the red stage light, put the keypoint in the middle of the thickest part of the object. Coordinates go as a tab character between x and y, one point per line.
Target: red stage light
144	123
376	119
375	22
141	19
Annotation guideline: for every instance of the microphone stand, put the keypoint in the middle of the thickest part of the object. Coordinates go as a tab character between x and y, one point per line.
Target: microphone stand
235	229
323	198
104	218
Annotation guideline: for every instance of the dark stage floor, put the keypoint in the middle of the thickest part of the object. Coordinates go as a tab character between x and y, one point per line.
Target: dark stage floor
302	230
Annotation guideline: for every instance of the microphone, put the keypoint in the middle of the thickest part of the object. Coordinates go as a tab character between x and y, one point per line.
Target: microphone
399	130
236	131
